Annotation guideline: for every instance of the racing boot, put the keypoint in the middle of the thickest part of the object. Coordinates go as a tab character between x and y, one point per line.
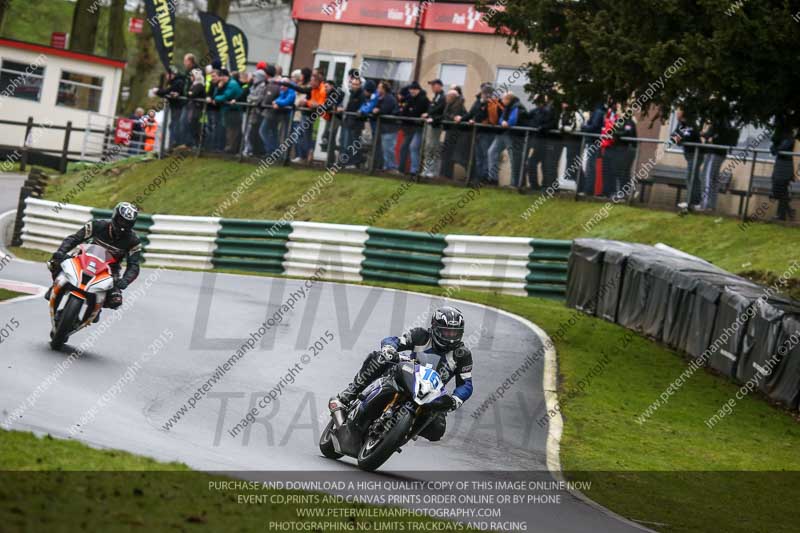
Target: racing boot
374	365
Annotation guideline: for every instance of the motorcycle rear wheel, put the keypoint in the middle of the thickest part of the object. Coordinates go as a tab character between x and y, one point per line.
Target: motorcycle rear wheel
326	443
374	453
68	318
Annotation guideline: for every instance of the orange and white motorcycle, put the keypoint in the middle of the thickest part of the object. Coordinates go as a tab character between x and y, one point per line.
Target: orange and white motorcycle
79	292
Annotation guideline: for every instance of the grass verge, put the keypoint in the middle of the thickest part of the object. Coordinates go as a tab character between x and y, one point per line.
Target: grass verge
200	186
49	484
7	295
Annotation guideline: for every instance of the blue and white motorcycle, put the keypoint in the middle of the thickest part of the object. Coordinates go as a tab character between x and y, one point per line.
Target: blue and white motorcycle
390	412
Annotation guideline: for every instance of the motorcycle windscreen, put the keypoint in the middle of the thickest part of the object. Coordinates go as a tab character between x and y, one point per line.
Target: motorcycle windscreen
99	252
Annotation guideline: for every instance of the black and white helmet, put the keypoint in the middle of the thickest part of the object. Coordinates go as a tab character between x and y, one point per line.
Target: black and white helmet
124	217
447	328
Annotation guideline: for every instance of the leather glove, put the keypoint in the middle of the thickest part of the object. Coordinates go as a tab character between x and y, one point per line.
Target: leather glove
446	403
115	299
389	353
55	261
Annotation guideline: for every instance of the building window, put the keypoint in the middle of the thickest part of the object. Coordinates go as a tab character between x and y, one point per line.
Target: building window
513	80
21	80
453	75
397	72
80	91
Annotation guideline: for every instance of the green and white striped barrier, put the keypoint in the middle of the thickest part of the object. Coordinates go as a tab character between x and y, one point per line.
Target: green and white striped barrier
512	265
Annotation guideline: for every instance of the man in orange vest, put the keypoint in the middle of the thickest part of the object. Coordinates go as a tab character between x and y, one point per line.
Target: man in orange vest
150	129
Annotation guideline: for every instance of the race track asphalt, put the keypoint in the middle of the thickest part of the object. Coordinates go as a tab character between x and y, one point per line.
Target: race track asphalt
9	190
206	317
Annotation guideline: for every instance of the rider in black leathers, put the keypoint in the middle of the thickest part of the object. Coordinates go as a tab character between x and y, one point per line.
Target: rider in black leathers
115	235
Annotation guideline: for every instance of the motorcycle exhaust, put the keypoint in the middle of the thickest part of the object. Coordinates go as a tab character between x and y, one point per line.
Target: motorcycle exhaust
338	418
336	409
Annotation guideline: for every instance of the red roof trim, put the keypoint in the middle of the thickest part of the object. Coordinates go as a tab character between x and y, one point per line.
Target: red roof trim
49	50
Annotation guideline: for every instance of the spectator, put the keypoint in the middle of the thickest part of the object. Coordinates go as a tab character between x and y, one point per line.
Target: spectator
270	121
352	125
214	65
507	141
301	146
719	132
174	85
315	97
387	105
619	155
454	150
433	133
593	126
150	129
189	64
137	133
333	100
184	132
486	110
279	71
544	119
686	132
605	182
244	79
568	122
252	139
416	105
194	108
214	137
783	171
228	91
284	105
370	101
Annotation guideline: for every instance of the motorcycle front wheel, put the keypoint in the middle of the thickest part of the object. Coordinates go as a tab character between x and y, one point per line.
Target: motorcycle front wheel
376	451
68	319
326	443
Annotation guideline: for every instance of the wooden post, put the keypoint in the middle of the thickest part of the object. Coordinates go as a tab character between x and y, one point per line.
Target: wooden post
24	161
16	239
65	149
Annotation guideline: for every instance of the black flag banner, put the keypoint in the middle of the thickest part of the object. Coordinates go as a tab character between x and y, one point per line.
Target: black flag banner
216	37
237	48
161	17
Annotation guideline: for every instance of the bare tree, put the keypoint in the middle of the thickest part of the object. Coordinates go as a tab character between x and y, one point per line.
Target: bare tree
5	6
85	19
117	30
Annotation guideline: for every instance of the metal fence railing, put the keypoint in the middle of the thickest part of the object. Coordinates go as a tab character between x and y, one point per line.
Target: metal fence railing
705	178
726	180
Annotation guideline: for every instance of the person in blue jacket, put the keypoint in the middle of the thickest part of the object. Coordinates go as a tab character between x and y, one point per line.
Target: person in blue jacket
387	105
506	140
284	105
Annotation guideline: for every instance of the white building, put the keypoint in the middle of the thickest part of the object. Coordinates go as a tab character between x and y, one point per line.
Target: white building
54	86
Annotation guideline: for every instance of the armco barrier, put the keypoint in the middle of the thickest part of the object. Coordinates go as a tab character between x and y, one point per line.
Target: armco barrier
512	265
745	332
